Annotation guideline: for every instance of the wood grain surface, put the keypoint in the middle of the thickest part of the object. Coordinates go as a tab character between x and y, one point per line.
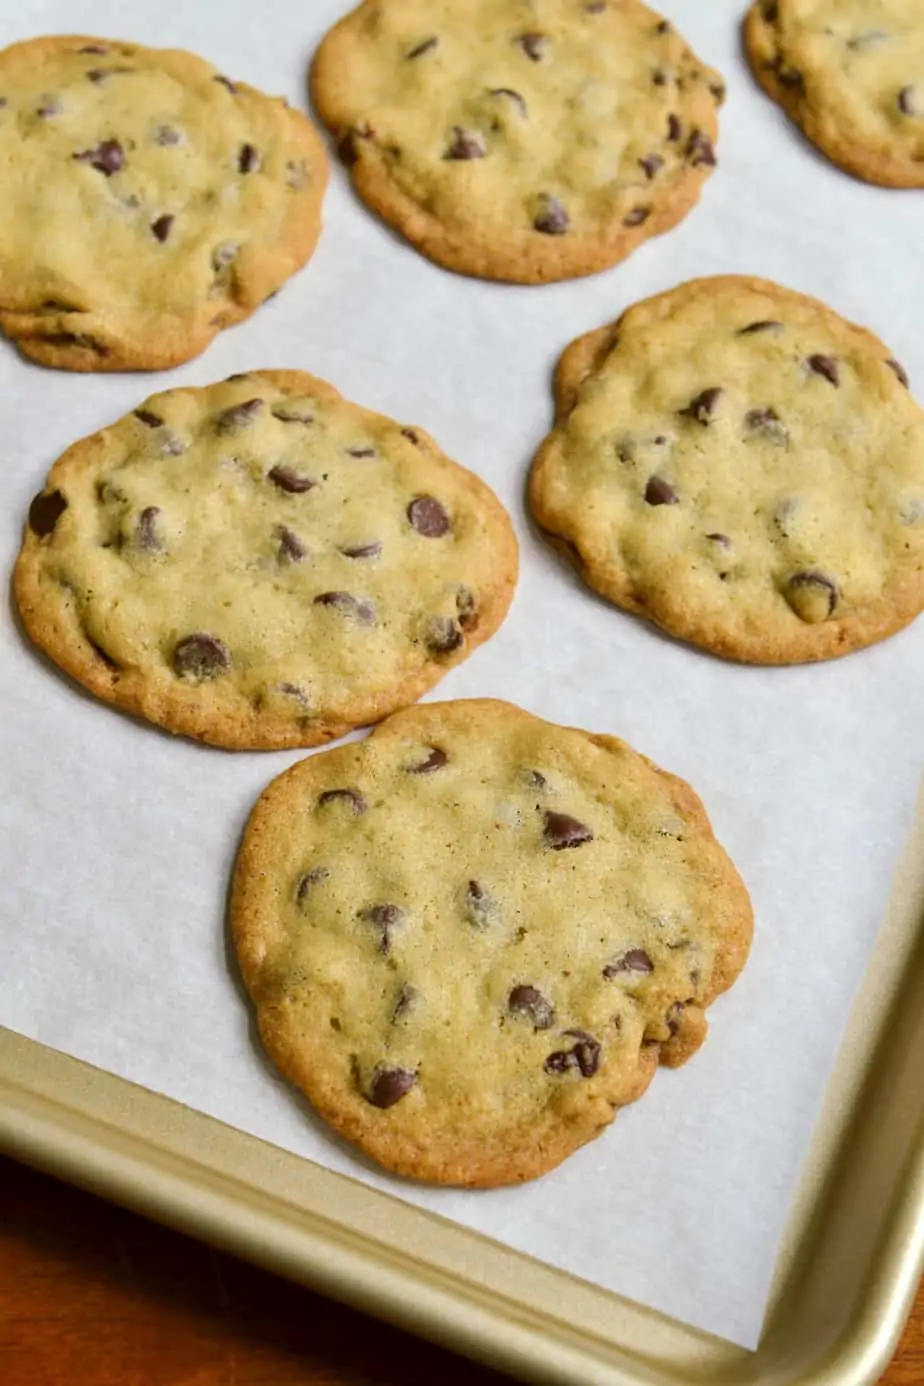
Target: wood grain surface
93	1296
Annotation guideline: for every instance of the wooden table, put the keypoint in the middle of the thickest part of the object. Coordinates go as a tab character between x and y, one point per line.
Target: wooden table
94	1296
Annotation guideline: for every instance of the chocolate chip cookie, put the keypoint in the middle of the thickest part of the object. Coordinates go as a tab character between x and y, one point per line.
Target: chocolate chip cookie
742	466
525	140
852	76
261	563
148	202
472	937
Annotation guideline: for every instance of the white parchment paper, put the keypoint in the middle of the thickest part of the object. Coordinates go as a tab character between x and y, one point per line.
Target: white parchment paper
116	840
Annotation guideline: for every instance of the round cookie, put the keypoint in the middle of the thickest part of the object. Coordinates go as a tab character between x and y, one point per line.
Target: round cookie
261	563
852	76
518	140
149	201
742	466
471	937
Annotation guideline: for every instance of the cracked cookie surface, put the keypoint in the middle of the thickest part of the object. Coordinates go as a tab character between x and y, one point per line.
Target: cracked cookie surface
472	937
261	563
524	140
852	76
149	201
742	466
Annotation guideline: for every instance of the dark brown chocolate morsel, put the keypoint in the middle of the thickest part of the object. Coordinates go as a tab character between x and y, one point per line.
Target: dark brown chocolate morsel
425	46
764	325
635	960
384	917
906	102
584	1056
561	830
466	608
536	780
225	82
721	539
288	413
826	366
292	690
551	219
107	157
717	91
371	550
674	1017
443	635
465	144
389	1085
428	517
528	1002
651	163
659	77
812	595
702	407
663	26
699	150
148	418
509	94
291	547
788	77
594	6
407	1000
45	512
146	534
287	479
248	159
411	435
163	226
361	452
99	74
674	128
660	492
766	424
534	45
353	796
900	371
770	11
201	656
345	602
636	216
308	880
238	416
434	761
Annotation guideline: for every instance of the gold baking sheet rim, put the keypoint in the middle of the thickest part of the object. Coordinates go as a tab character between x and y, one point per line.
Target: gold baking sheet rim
846	1274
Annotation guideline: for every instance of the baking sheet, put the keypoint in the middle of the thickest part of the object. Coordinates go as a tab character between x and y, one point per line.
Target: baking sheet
116	840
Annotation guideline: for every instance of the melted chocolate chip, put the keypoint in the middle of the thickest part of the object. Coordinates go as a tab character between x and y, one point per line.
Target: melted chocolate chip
765	424
651	163
466	608
146	533
812	595
107	157
674	128
443	635
426	46
636	216
411	435
407	1000
561	830
906	102
702	407
353	796
287	413
428	517
385	918
551	219
291	548
434	761
238	416
636	960
465	144
289	480
162	227
536	779
201	656
389	1085
529	1003
900	371
513	96
308	880
345	602
765	325
826	366
699	150
362	550
533	45
248	160
45	512
149	419
721	539
584	1056
660	492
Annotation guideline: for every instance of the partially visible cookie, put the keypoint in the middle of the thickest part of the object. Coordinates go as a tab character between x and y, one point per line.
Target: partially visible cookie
852	76
148	202
742	466
261	563
524	140
472	937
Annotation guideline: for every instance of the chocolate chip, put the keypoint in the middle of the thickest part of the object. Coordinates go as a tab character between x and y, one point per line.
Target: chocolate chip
702	407
721	539
425	46
636	216
561	830
291	548
201	656
765	325
248	160
813	596
287	479
361	452
353	796
636	960
674	128
226	82
594	6
765	424
161	227
651	163
149	419
443	635
238	416
788	77
826	366
107	157
385	918
659	77
533	45
411	436
900	371
99	74
99	48
526	1001
479	906
407	1000
717	91
428	517
906	102
146	533
660	492
165	135
45	512
770	11
349	146
536	779
434	761
663	27
584	1056
674	1017
511	95
345	602
389	1085
465	144
551	219
308	880
50	106
466	608
287	413
699	150
362	550
292	690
